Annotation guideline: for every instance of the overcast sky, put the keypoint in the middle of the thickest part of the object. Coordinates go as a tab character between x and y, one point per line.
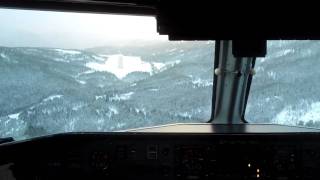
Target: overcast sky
72	30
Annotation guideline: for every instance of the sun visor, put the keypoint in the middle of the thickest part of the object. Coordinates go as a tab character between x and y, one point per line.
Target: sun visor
194	20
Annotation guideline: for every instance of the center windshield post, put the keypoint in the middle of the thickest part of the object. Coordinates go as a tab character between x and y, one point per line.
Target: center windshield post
231	86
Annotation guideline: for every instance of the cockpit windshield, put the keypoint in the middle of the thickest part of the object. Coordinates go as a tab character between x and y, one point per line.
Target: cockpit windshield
80	72
285	89
71	72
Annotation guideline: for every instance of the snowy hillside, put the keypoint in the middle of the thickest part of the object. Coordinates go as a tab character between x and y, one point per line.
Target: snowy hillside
46	91
286	88
108	88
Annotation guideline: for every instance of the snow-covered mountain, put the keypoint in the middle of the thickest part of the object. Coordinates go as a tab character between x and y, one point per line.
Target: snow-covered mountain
285	89
49	90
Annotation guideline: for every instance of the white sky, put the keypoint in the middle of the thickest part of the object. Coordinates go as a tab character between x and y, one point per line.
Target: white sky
72	30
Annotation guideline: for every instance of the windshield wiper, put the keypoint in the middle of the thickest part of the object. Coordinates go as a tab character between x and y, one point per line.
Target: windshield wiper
5	140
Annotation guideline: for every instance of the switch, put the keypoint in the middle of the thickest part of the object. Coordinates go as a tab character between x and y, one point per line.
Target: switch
152	152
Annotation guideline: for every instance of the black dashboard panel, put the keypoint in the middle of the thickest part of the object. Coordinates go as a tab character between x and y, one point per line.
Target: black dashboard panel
165	156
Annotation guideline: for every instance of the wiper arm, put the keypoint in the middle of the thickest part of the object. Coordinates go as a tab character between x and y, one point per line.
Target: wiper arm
5	140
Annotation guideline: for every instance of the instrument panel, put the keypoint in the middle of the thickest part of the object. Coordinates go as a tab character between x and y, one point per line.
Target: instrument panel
165	156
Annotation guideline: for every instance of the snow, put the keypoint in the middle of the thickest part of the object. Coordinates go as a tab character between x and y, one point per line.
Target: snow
174	62
100	85
261	60
7	59
33	50
85	72
313	114
153	89
60	60
50	98
280	117
172	50
120	125
158	65
162	67
307	52
142	110
258	69
279	54
278	98
3	56
100	97
70	52
201	83
104	55
272	75
70	126
286	52
121	65
120	97
81	82
47	111
12	127
184	114
14	116
167	65
290	116
77	107
99	58
113	110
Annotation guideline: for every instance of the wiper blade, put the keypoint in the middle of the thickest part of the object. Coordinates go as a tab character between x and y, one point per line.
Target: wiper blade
5	140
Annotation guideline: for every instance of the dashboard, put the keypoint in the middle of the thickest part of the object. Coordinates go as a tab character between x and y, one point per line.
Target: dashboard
213	152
